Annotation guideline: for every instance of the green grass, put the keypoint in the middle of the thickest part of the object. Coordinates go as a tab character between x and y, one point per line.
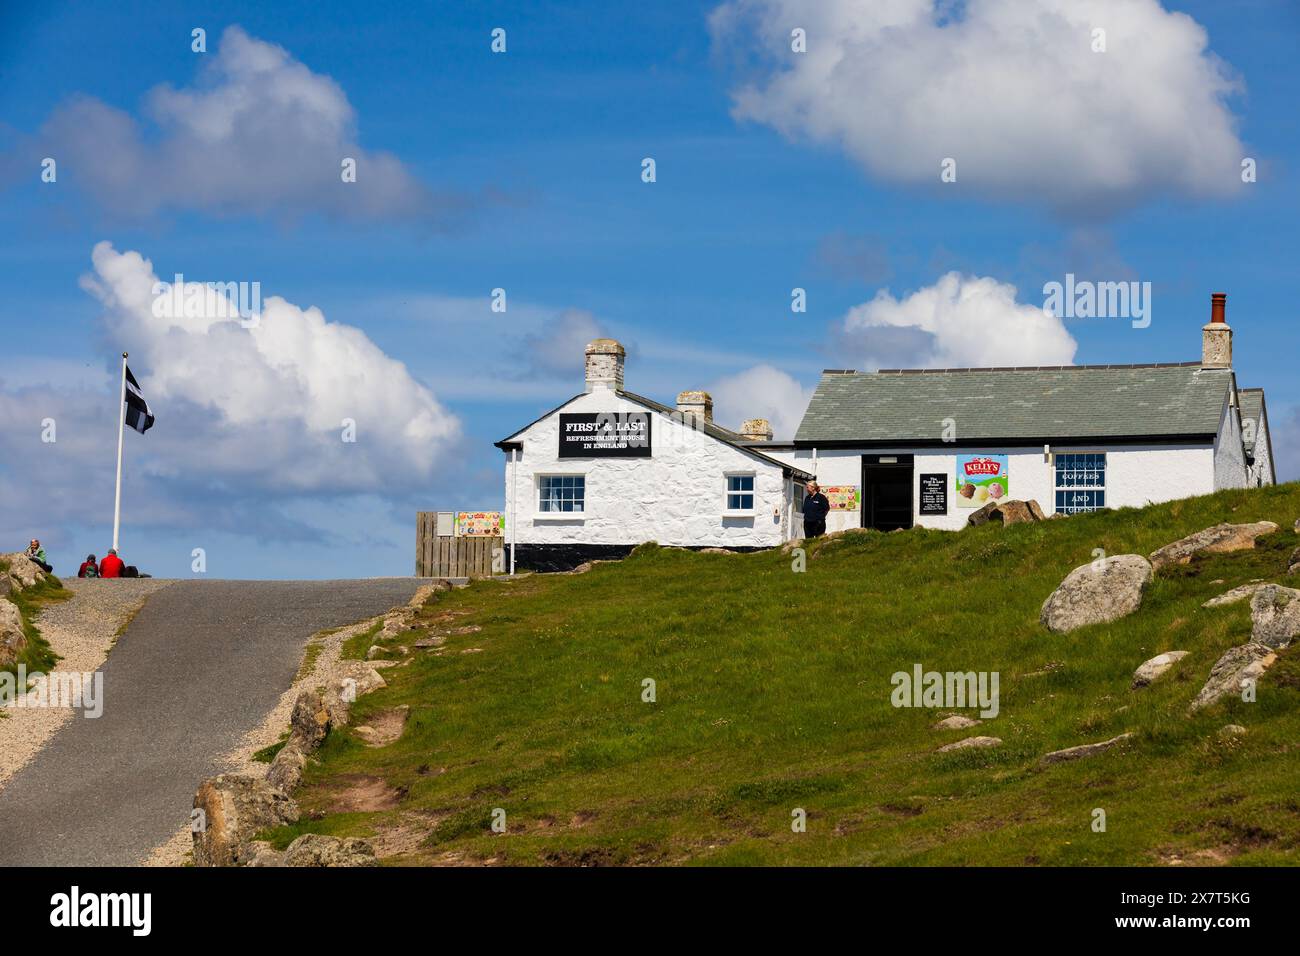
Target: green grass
37	655
355	647
773	693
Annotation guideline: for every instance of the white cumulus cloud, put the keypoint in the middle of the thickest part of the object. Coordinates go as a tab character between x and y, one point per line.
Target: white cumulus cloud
760	392
250	430
1012	90
258	133
959	322
269	402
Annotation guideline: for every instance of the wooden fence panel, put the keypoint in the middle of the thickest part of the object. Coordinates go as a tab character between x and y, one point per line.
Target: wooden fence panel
446	556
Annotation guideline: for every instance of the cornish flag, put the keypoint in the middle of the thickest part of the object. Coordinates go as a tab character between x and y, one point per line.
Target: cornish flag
138	415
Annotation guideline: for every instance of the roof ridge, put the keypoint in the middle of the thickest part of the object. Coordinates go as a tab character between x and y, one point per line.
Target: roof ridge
1018	368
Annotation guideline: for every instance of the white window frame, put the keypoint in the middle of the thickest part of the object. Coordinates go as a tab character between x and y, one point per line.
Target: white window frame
727	493
1105	469
543	515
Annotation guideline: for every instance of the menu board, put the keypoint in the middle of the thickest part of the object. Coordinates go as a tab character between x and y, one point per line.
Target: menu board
934	494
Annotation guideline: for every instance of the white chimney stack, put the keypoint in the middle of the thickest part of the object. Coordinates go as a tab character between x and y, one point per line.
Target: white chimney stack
696	406
605	364
756	429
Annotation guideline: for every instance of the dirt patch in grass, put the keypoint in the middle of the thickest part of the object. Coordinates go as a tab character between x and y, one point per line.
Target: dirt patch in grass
383	727
1208	856
361	793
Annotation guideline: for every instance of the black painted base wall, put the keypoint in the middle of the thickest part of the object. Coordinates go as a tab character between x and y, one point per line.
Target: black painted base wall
566	557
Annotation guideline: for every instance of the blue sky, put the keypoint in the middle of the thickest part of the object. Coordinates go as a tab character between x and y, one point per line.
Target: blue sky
522	171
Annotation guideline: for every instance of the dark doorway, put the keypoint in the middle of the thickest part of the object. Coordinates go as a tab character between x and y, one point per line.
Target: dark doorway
886	492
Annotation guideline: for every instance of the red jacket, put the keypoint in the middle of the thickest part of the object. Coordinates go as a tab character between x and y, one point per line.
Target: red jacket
87	566
110	566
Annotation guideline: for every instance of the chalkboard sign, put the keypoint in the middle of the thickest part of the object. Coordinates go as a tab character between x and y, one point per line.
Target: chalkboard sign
934	494
605	435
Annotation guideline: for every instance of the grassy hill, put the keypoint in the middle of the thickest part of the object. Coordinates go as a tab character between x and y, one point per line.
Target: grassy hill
37	655
773	693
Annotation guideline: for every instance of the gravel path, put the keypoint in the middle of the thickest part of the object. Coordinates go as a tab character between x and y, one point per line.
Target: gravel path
199	667
81	631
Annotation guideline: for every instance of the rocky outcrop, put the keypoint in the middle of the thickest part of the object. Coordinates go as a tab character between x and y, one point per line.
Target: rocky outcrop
1275	616
1156	667
233	809
23	571
1084	750
1293	564
1097	593
314	849
1236	667
955	722
287	767
13	639
1239	593
1007	512
1219	539
361	679
310	720
970	743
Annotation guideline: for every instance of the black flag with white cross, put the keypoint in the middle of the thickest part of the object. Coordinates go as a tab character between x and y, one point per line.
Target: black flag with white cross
138	415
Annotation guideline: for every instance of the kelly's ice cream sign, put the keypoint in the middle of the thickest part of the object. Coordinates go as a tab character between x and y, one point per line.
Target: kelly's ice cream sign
981	479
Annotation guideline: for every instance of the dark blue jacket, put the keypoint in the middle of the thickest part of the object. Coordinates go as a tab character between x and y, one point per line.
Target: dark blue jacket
815	507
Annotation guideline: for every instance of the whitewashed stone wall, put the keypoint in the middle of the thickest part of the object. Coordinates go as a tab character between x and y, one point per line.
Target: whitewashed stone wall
675	497
1230	470
1261	469
1136	475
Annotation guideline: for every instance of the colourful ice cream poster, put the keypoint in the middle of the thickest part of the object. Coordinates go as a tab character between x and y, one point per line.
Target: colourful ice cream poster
843	497
981	479
480	524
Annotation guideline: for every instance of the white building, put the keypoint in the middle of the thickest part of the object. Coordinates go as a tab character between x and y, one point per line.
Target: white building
928	446
609	469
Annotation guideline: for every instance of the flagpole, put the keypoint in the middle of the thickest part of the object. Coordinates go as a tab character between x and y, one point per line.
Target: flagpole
121	425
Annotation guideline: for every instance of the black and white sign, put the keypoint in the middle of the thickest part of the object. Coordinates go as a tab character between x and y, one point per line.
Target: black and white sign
934	494
605	435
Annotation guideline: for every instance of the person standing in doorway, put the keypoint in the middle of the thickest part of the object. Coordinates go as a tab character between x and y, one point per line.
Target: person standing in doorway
815	508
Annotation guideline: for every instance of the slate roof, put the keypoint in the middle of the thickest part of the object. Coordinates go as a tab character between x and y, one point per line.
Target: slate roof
896	406
1252	407
735	439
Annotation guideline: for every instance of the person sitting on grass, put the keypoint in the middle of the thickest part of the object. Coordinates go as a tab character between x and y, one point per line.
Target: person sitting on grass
111	566
37	556
89	569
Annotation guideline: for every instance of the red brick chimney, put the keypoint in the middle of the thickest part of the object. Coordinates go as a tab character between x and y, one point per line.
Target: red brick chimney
1216	337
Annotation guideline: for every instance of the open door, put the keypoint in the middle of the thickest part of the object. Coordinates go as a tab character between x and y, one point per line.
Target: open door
887	492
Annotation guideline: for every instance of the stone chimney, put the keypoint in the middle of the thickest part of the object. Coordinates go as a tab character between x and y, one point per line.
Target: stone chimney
605	364
697	406
756	429
1216	337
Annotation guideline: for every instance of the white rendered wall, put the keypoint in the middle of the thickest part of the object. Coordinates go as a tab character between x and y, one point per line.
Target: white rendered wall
675	497
1136	475
1261	470
1230	469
